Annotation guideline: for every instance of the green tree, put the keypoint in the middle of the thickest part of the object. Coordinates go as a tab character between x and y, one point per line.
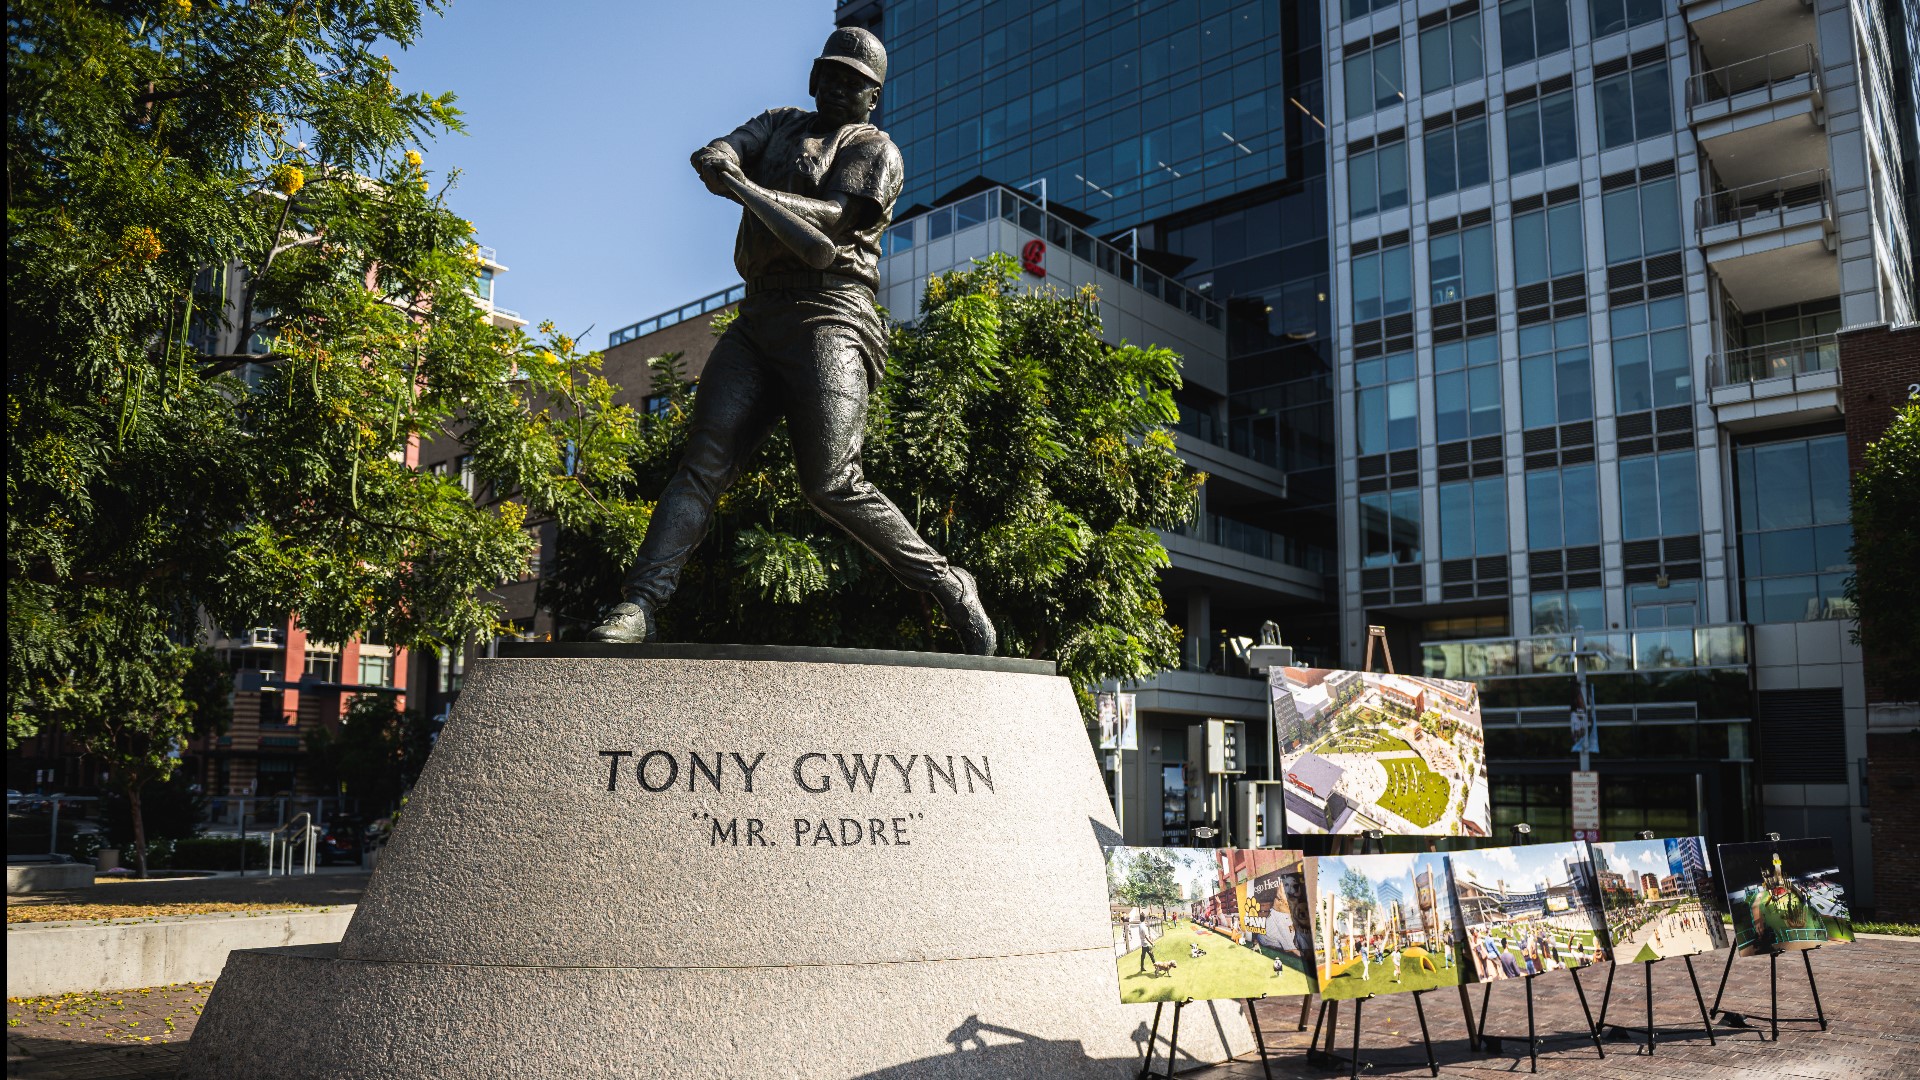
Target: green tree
376	755
1019	444
1357	891
1150	881
235	300
1885	585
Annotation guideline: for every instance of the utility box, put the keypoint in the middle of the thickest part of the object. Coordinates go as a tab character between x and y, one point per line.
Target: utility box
1226	747
1259	818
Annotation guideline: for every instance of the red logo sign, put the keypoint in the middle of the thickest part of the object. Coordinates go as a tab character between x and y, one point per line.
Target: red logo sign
1033	258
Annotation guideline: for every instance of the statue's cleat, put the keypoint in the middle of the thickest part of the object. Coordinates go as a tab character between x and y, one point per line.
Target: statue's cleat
627	623
967	615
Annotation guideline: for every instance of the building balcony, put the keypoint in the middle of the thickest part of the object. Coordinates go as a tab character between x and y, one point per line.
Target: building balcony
1673	649
1258	566
1772	243
1761	116
1777	385
1224	466
1729	30
1201	693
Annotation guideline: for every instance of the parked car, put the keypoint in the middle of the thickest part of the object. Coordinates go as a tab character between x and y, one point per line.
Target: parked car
340	842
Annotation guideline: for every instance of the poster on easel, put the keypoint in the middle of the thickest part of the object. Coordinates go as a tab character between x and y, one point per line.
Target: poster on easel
1208	923
1361	751
1383	924
1784	895
1659	897
1528	910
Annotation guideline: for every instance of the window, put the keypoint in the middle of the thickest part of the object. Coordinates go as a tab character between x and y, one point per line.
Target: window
1382	283
1460	264
1466	388
1547	244
1651	366
376	670
1563	508
1653	607
1642	220
1473	518
1377	179
322	663
1530	29
1456	156
1373	79
483	284
1613	16
469	480
1353	9
1541	132
1561	612
1451	53
1634	105
1556	380
1173	804
1390	528
453	669
1659	496
1794	531
1387	403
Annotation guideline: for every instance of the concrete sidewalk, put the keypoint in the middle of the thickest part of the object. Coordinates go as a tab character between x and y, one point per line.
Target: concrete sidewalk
330	886
1866	987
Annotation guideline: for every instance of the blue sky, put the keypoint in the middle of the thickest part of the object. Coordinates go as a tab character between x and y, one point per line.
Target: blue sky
580	118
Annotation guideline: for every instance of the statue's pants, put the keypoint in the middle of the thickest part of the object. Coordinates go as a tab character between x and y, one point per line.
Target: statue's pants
807	355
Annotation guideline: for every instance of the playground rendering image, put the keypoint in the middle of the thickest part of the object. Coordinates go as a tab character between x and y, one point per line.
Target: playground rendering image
1383	924
1185	929
1365	751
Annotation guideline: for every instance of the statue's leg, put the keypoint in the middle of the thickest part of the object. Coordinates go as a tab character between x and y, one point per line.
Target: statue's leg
733	413
826	417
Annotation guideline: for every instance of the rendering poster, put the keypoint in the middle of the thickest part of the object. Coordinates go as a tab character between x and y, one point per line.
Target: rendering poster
1364	751
1197	923
1784	895
1528	910
1383	924
1660	898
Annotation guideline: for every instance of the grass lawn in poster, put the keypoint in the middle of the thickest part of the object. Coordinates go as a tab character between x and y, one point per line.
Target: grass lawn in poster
1659	897
1200	923
1528	910
1399	753
1383	924
1784	894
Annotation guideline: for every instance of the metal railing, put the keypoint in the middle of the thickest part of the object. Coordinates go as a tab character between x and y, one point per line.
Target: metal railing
1800	356
300	831
733	294
1027	214
1765	199
1769	72
488	254
1673	649
1256	541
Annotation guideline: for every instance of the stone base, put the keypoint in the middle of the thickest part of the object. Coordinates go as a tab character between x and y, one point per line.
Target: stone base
657	862
303	1012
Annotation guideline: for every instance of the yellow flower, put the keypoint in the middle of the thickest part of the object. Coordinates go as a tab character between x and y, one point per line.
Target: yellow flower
566	343
413	158
424	186
288	179
547	356
185	6
141	243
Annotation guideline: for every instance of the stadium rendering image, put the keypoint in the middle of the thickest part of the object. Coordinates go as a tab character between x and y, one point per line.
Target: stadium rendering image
1364	751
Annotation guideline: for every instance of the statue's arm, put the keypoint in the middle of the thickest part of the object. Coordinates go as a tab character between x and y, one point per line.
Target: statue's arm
806	226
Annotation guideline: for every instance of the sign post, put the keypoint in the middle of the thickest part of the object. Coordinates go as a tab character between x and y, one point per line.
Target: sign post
1586	805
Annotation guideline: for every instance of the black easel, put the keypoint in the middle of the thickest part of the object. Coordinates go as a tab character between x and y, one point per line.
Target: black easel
1773	994
1651	1032
1173	1042
1259	1040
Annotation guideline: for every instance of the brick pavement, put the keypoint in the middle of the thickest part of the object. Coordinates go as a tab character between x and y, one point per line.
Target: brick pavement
1866	987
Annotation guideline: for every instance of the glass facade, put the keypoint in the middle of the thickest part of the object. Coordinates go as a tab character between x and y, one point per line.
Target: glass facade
1127	111
1794	538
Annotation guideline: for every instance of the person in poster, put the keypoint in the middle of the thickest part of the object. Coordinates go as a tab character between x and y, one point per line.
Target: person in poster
1202	930
1528	910
1659	898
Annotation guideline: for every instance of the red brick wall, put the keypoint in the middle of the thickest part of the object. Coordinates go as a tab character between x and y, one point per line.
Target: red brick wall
1878	365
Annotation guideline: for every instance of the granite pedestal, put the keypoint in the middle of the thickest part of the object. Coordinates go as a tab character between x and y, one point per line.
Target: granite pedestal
681	861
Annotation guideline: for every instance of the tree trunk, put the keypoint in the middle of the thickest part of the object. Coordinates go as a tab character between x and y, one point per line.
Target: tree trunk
139	827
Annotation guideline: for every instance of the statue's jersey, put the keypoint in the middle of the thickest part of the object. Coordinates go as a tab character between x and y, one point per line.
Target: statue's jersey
779	150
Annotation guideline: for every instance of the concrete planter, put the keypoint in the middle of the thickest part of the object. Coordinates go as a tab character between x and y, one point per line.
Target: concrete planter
58	958
47	877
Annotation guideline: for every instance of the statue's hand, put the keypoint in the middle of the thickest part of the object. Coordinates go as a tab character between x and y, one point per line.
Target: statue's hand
713	166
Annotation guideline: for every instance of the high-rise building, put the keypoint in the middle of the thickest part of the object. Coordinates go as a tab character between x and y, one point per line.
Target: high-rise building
1589	264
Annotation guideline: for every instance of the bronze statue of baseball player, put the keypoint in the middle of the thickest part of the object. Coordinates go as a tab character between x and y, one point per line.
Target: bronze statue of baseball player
818	190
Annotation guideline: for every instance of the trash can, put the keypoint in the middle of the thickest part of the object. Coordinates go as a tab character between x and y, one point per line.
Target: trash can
107	858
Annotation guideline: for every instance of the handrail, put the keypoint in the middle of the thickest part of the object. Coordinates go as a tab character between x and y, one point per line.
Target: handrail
1809	188
733	294
1800	356
280	849
1753	73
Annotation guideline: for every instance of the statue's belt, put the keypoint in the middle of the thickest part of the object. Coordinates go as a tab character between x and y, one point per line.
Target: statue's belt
805	280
